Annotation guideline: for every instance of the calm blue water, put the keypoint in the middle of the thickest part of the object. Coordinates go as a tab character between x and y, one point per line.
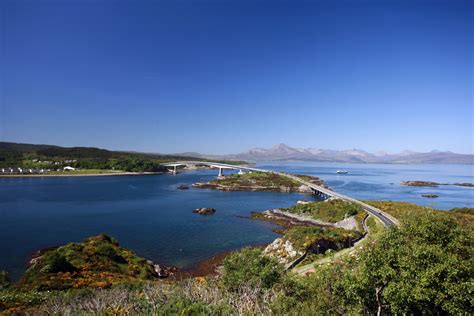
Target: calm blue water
151	216
382	181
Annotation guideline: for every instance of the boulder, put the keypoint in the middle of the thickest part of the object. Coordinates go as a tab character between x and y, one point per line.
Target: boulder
183	187
204	211
430	196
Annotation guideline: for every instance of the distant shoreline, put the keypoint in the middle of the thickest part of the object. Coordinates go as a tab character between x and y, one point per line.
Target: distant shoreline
81	175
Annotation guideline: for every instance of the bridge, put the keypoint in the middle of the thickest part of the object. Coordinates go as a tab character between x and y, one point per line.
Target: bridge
385	218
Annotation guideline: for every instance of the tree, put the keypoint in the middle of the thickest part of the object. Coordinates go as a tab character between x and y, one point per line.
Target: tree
425	266
249	267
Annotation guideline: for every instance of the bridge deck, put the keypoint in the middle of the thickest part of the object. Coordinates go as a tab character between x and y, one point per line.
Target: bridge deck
385	218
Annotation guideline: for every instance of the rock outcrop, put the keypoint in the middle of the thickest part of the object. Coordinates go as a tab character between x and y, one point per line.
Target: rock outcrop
283	250
204	211
349	223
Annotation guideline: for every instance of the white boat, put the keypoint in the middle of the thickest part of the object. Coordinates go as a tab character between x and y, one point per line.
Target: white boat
342	171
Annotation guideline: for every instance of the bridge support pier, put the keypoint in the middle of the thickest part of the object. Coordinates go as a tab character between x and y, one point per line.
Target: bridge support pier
320	195
220	175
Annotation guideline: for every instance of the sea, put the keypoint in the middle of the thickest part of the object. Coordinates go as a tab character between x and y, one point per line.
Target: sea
152	217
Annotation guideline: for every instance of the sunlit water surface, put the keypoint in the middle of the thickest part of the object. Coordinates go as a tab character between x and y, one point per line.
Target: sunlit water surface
152	217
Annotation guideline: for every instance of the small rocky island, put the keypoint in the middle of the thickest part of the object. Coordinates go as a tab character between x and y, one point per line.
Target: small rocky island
433	184
260	181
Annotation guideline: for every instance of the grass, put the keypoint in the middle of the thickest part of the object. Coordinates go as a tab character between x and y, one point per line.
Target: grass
302	237
330	211
260	179
401	210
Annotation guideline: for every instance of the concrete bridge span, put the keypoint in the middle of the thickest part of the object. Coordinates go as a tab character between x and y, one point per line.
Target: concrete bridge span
385	218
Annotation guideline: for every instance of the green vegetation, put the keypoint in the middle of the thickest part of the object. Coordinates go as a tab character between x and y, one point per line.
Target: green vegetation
303	237
262	181
4	280
374	225
97	262
256	179
249	267
463	210
330	211
55	157
401	210
423	267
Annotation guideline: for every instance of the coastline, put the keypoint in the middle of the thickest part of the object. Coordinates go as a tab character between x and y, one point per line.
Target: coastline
82	175
208	266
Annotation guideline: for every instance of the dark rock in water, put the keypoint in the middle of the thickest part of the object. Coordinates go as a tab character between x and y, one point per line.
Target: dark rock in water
420	183
469	185
430	196
183	187
204	211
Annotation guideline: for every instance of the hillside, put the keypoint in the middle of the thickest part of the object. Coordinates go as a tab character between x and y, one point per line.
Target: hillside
50	156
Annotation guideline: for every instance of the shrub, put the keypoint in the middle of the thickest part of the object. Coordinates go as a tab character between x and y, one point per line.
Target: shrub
4	280
249	267
182	306
109	251
55	262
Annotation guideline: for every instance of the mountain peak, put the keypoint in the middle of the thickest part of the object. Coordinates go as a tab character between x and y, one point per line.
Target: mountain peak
282	151
281	146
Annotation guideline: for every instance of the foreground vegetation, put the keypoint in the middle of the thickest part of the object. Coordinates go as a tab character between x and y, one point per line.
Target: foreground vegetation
423	267
97	262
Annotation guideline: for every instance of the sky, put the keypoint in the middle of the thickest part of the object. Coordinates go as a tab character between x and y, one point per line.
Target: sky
224	76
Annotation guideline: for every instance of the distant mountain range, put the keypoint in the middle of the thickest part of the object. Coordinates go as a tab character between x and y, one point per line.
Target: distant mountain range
11	153
282	152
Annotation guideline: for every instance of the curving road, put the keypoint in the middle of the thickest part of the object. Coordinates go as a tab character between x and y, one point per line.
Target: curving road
385	218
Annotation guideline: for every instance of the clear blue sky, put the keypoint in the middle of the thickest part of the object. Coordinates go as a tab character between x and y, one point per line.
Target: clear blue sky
225	76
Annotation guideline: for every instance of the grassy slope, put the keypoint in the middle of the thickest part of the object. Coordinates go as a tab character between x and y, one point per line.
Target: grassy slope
302	237
402	209
97	262
328	211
